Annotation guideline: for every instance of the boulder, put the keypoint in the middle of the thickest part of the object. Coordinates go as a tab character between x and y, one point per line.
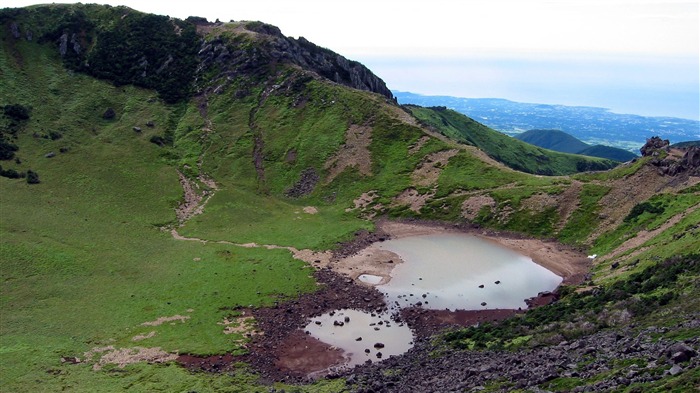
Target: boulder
653	144
109	114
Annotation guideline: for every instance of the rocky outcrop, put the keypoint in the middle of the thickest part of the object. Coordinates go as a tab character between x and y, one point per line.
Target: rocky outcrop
592	360
306	184
672	161
272	47
653	145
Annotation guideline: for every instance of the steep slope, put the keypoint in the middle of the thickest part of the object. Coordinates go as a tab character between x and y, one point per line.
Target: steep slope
554	140
159	226
517	155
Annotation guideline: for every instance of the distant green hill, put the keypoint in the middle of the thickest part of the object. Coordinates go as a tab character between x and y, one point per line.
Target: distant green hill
609	152
512	152
558	140
554	140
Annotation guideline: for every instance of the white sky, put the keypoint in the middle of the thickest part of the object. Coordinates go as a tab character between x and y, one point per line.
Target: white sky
447	27
374	31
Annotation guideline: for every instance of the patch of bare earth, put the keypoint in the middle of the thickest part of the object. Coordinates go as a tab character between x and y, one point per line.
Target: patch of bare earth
310	210
122	357
363	203
243	325
415	148
473	205
539	202
162	320
413	199
194	197
354	153
141	337
568	202
428	171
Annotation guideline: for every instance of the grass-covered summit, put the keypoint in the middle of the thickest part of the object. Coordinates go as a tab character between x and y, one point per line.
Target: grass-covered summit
153	173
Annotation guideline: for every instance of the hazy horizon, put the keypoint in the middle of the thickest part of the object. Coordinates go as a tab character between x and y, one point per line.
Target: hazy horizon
670	90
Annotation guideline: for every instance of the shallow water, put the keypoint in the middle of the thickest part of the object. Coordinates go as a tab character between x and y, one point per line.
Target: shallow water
445	271
371	328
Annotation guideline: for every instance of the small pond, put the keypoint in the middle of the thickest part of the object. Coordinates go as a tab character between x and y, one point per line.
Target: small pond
443	271
361	335
458	271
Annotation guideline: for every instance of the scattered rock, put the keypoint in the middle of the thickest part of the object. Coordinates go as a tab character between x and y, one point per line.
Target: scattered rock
109	114
675	370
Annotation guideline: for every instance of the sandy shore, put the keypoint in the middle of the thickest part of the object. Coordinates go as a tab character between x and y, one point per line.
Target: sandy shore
562	260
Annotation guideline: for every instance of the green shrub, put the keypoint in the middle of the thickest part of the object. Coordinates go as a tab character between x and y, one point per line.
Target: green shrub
639	209
32	177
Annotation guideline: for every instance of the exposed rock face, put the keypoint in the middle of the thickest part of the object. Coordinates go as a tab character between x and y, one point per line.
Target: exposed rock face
306	184
676	162
14	29
653	144
109	114
273	48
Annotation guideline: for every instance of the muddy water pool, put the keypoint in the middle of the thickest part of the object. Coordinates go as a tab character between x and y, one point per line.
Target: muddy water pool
362	336
441	271
462	272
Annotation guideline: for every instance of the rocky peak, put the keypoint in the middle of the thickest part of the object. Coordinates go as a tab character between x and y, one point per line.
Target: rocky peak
672	161
653	145
272	47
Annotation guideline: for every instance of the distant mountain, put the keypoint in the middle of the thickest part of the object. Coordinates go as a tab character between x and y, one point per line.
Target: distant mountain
561	141
609	152
589	124
554	140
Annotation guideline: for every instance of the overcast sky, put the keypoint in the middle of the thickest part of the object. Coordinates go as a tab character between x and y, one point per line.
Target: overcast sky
636	56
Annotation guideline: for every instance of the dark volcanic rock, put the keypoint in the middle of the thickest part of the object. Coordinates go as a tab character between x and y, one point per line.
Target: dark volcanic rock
306	184
653	144
109	114
234	58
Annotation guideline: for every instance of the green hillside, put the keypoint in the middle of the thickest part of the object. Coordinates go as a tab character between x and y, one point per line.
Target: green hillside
560	141
140	216
517	155
554	140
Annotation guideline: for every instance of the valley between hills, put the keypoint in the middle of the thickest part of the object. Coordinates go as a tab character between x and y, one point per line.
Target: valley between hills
180	198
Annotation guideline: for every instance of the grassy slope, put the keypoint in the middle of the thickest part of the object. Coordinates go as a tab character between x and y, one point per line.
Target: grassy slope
514	153
84	262
93	222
